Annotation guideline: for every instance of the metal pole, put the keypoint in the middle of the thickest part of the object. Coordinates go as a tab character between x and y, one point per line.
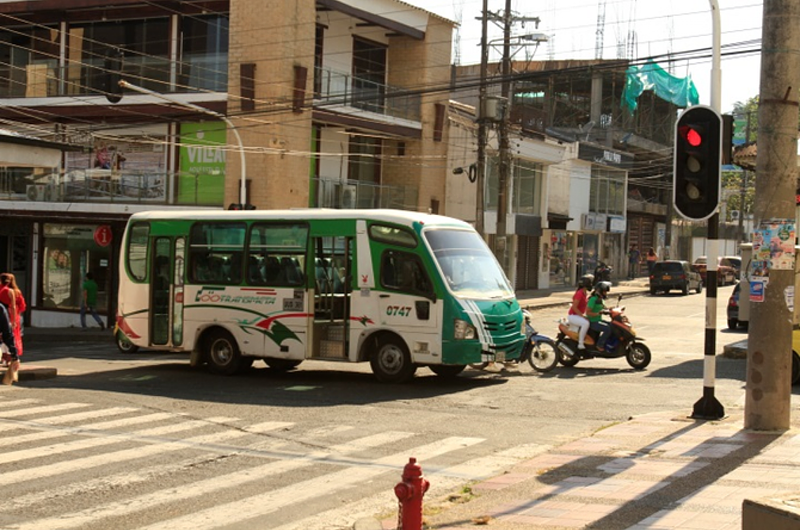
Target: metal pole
708	407
480	171
243	183
504	169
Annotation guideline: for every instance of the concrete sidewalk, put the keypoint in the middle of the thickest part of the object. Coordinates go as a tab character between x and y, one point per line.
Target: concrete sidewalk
656	471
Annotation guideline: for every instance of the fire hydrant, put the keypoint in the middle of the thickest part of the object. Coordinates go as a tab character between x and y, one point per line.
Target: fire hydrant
410	493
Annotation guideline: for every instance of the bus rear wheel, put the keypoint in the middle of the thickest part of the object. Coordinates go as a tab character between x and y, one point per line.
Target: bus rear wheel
391	363
124	345
222	353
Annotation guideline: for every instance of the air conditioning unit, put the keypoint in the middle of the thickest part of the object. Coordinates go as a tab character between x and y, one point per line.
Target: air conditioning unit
36	192
41	192
349	196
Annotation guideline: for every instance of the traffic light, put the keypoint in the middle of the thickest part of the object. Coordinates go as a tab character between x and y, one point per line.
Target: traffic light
697	158
234	206
111	76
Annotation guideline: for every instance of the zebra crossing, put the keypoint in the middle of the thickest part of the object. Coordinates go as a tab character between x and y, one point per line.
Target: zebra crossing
78	466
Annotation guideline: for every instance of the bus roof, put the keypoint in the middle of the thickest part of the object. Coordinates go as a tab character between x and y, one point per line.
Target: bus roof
394	216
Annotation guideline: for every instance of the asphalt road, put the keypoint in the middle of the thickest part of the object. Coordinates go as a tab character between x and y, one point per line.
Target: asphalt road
144	441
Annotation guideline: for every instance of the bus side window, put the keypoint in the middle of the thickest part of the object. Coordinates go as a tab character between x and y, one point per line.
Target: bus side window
402	271
254	273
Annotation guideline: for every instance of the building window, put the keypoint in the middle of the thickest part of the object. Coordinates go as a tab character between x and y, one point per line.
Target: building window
145	44
607	192
70	252
29	62
369	75
204	62
365	163
527	187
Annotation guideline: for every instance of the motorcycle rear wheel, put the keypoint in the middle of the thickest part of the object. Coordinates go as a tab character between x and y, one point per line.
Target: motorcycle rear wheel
638	356
564	357
544	356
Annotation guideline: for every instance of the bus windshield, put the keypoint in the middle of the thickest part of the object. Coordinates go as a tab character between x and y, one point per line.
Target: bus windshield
470	269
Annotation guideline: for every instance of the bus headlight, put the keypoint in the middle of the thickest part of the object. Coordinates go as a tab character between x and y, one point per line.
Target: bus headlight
464	330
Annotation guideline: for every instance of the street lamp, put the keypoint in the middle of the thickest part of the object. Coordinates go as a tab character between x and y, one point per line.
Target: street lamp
229	123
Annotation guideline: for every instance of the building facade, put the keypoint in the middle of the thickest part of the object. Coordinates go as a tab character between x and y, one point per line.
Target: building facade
311	103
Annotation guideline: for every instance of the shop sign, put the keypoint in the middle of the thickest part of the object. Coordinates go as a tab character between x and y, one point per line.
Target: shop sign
616	224
102	235
604	157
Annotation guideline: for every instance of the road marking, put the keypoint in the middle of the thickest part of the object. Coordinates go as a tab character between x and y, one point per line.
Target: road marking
66	418
15	413
82	464
205	487
84	429
272	501
443	481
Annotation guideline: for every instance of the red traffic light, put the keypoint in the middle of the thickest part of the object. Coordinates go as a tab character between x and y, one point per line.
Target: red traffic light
692	135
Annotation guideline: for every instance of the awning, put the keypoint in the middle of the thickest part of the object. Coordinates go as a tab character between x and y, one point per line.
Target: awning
557	221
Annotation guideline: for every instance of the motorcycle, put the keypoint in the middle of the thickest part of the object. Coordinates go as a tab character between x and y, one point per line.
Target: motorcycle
602	273
623	342
539	350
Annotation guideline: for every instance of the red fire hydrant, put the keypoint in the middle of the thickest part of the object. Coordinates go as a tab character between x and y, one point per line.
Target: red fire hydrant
410	493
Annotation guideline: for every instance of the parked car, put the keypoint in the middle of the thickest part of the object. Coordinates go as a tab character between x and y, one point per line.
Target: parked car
726	274
674	274
733	309
736	263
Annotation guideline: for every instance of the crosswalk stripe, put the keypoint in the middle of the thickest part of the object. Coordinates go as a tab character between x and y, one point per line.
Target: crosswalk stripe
94	441
13	425
68	466
269	502
204	487
15	412
83	429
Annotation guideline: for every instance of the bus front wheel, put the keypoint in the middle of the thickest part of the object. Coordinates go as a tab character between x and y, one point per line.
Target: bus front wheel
222	353
391	363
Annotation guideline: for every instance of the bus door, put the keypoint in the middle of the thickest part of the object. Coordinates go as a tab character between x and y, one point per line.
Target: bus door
407	302
166	291
333	273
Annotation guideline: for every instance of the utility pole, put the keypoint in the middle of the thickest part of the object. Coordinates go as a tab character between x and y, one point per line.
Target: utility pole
769	350
502	247
480	171
504	166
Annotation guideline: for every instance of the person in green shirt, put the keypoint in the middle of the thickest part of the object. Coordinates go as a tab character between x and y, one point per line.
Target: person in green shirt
594	312
89	301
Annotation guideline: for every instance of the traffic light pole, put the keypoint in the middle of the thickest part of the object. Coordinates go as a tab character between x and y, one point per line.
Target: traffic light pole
708	407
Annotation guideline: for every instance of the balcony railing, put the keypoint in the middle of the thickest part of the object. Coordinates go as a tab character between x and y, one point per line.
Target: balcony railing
107	186
332	193
337	88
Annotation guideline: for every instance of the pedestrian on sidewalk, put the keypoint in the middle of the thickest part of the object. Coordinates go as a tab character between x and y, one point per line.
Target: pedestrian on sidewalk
89	301
652	258
11	297
8	348
634	257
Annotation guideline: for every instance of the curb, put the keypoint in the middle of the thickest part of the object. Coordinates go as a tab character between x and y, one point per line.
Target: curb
36	373
736	350
566	302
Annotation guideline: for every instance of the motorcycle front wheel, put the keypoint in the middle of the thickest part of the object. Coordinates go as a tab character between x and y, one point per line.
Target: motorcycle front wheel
543	356
564	357
638	356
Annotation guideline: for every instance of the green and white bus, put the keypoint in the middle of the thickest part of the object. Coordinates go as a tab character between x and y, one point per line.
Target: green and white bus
398	289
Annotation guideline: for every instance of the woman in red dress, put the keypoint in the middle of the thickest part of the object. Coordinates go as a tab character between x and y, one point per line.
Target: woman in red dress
11	297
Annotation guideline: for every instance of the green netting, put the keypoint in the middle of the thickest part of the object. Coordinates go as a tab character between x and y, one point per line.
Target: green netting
678	90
